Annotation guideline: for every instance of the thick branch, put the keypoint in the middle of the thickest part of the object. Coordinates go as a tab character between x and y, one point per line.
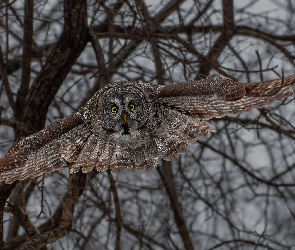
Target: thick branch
71	43
77	183
26	59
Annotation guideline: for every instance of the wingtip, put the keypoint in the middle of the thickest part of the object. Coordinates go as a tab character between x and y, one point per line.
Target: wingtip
290	81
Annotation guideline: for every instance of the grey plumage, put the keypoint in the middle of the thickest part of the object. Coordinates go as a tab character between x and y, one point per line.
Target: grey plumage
131	125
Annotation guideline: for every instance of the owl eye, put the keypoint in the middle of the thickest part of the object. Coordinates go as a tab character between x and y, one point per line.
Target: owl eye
131	106
114	108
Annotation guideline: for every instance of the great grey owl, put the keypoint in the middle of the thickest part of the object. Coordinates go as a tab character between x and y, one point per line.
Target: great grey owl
130	125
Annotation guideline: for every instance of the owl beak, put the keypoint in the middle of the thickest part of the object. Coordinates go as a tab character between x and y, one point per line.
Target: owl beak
124	117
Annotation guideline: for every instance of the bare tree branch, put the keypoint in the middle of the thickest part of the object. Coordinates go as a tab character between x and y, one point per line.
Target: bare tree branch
168	180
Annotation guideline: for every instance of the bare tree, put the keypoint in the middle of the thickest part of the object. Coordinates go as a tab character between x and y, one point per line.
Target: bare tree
234	189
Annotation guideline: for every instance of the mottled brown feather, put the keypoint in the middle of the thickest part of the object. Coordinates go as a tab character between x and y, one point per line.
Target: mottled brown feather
21	161
172	118
215	97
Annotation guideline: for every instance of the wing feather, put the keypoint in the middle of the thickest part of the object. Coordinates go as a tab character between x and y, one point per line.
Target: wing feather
215	97
38	153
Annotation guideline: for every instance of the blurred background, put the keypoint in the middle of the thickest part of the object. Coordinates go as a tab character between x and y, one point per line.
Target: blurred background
234	189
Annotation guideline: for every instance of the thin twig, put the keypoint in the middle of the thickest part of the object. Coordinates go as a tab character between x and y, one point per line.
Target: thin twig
117	208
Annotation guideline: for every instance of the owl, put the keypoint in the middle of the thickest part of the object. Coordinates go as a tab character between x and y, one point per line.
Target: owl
131	125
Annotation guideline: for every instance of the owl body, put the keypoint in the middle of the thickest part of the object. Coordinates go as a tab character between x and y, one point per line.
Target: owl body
129	130
131	125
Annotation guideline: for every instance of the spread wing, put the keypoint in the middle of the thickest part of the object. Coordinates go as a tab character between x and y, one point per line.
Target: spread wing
42	152
215	97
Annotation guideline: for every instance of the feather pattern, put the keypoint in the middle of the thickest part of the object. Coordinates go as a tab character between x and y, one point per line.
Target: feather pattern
38	153
215	97
130	125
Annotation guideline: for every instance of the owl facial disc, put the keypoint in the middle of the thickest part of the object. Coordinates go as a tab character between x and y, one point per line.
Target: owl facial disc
123	111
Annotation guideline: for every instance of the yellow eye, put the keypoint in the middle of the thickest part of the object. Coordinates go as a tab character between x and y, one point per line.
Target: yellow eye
131	106
114	109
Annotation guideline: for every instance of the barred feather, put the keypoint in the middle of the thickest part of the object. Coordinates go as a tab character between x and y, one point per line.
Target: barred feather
166	120
38	153
215	97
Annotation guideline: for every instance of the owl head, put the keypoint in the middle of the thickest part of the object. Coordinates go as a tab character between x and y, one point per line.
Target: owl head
124	111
